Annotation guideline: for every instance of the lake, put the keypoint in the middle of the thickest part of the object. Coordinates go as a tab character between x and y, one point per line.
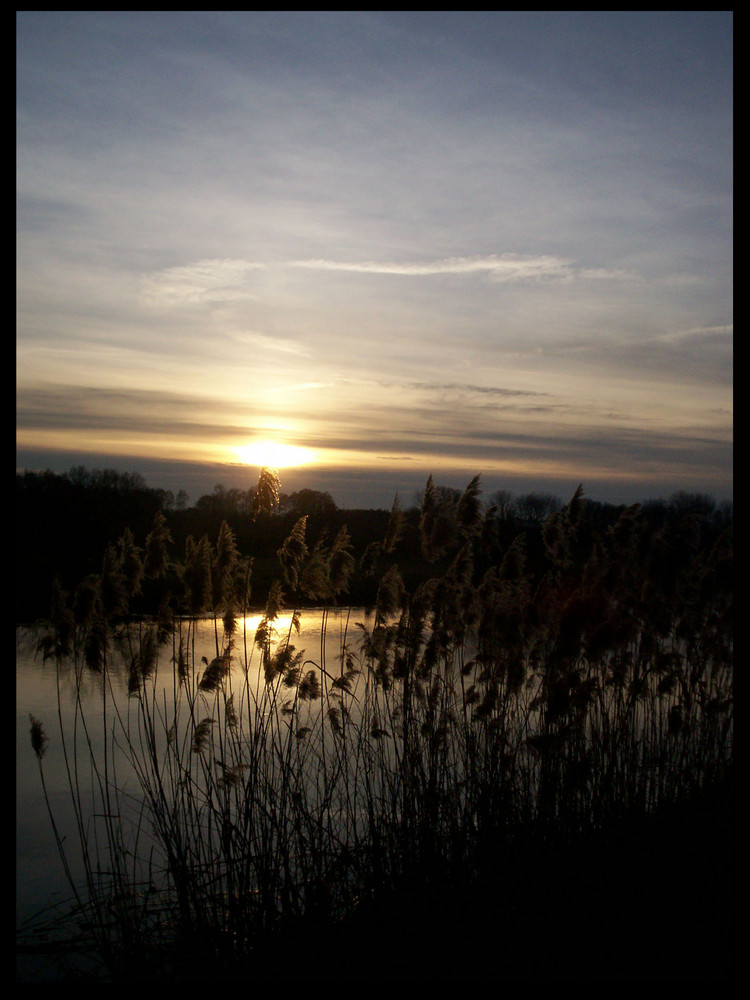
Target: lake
53	697
283	787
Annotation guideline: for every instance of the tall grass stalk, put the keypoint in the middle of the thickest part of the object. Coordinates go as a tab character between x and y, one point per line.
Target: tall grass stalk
268	787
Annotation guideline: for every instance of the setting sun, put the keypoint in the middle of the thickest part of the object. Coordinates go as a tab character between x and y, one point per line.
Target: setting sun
274	454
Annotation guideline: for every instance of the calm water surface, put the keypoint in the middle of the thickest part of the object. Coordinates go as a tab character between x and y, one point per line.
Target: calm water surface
50	695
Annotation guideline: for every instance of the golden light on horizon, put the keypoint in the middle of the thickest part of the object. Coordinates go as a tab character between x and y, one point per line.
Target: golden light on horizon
274	454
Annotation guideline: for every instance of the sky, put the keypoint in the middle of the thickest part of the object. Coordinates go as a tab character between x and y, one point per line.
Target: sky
399	243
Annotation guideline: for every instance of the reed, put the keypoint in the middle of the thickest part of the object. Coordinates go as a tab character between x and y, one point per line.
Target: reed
502	700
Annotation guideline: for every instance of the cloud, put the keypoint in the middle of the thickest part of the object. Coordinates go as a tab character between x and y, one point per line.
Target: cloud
263	342
715	334
145	412
698	356
481	390
498	267
212	280
226	279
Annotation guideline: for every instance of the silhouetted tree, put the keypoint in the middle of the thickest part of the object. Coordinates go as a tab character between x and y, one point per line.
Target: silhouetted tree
536	506
313	503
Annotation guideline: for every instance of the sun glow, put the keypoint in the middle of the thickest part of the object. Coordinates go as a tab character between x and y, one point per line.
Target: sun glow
274	454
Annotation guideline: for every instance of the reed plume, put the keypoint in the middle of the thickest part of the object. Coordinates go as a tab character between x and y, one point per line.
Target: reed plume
39	738
516	682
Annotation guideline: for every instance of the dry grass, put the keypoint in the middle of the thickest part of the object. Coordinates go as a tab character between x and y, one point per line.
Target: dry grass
282	797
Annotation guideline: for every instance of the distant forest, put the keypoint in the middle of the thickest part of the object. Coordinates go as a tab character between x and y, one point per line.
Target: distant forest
67	522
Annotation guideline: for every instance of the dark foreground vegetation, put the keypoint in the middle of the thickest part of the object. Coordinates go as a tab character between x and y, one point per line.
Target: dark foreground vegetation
65	523
519	767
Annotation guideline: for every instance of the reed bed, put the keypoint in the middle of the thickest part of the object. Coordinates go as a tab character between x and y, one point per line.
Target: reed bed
270	793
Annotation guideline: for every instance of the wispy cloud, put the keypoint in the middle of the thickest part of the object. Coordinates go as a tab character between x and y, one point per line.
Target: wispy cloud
480	390
498	267
213	280
263	342
715	334
227	279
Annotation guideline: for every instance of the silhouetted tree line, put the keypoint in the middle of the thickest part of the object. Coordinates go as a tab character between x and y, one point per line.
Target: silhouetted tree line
66	522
